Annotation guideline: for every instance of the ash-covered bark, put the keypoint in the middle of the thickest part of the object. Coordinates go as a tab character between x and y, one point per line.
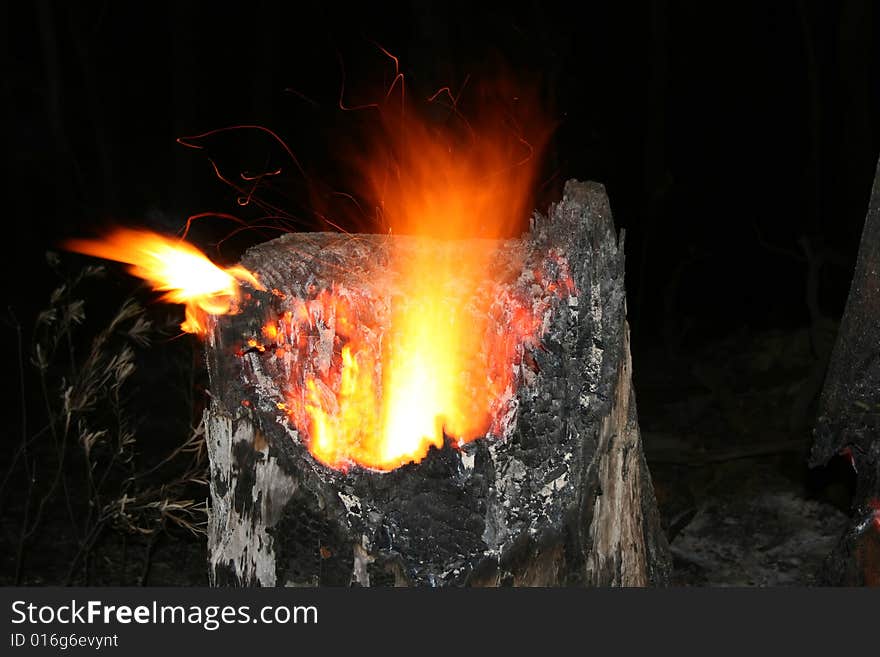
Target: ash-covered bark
559	495
849	409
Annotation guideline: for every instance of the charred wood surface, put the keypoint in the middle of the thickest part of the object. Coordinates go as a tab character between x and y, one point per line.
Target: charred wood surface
558	494
849	410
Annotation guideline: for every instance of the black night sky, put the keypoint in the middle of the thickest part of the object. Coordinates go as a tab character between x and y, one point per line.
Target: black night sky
734	139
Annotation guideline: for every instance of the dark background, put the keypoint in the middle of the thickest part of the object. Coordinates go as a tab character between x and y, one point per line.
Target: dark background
710	127
737	142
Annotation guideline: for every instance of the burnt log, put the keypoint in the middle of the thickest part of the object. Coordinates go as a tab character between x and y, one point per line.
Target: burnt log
849	410
557	493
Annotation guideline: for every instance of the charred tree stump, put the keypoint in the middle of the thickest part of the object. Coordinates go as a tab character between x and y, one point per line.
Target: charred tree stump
559	492
849	410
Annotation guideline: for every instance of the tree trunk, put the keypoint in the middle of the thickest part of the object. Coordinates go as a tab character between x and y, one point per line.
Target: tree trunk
849	410
558	493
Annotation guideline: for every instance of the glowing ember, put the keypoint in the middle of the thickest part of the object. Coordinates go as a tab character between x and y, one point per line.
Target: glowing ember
174	267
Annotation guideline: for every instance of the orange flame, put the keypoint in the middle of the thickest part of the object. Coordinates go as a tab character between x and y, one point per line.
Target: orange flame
174	267
444	366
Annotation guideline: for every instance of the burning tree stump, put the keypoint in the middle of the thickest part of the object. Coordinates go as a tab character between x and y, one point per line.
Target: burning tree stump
849	414
557	493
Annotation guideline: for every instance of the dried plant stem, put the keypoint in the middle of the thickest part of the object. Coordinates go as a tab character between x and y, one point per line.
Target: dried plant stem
84	413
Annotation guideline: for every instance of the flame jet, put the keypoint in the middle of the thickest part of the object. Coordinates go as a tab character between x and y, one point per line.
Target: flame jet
175	267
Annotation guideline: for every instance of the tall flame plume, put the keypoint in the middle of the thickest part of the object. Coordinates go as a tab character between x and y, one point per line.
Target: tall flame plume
439	376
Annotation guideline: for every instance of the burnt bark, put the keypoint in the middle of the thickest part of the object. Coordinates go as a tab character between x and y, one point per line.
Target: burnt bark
559	494
849	410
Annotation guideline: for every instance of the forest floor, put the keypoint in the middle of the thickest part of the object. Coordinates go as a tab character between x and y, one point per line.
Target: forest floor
727	434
